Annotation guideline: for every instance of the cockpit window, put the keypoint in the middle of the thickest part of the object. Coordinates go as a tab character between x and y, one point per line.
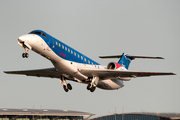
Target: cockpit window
31	32
38	33
44	35
35	32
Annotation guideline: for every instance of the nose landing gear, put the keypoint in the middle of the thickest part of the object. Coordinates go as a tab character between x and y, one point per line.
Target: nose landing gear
25	55
26	47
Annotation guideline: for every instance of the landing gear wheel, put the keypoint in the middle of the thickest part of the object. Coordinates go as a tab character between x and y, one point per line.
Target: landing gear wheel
69	86
25	55
88	87
92	89
65	88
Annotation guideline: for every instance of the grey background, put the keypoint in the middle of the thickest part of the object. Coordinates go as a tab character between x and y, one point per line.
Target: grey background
94	28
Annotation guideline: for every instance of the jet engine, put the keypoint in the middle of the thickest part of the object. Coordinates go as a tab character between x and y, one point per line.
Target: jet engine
116	66
113	66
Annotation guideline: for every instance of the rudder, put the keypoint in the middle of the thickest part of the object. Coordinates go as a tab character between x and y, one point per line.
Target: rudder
125	60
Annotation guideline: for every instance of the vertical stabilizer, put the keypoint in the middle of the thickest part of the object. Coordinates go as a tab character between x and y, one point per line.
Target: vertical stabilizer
125	60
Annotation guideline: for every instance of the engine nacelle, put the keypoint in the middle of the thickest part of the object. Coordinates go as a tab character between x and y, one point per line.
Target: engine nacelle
113	66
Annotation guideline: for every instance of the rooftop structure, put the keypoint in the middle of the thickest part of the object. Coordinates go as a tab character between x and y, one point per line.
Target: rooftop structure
37	114
140	116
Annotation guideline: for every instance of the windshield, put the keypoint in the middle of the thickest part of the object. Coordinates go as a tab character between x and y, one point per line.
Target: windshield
35	32
38	33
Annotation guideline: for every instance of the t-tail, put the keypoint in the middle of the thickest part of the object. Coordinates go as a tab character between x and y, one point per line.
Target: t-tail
126	59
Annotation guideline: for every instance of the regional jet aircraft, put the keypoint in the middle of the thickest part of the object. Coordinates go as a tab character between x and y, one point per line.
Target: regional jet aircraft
70	64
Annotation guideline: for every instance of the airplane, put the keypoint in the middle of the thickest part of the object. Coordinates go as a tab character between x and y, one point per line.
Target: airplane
69	64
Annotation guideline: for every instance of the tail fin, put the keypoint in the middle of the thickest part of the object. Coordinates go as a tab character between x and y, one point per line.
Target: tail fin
125	59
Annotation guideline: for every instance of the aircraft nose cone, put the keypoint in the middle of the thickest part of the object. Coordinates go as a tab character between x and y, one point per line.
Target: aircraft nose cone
22	38
25	38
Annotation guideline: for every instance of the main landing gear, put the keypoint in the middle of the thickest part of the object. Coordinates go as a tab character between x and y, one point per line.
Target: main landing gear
92	86
66	86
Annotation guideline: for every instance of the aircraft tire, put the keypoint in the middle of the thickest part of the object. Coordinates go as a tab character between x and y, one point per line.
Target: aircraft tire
26	55
88	86
65	88
69	86
92	89
23	55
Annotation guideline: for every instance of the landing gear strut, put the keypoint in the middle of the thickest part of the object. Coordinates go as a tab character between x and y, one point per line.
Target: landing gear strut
66	86
26	47
92	86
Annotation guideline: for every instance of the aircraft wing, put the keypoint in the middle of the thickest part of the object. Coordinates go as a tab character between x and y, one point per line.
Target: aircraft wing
48	72
111	74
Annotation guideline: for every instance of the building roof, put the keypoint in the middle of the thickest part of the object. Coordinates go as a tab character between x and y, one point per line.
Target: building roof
166	115
43	112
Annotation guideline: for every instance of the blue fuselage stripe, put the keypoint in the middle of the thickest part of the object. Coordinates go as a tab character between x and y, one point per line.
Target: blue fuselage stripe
66	52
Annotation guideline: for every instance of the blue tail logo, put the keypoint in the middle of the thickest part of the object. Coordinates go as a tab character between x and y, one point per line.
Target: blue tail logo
125	60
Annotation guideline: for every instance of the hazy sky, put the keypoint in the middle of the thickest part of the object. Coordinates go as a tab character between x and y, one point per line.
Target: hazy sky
94	27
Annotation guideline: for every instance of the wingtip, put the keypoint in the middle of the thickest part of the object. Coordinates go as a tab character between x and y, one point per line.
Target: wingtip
160	58
7	72
173	73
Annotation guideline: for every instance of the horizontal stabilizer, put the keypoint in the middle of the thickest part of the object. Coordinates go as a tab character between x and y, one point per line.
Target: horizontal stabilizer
133	56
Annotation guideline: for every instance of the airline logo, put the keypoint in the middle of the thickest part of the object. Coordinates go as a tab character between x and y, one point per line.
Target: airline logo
62	54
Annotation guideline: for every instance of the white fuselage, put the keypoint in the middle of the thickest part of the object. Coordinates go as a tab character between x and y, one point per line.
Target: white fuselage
69	69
